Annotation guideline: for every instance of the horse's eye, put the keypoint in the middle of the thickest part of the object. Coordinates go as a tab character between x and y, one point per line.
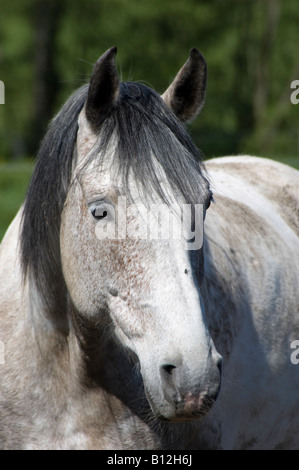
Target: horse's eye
99	213
102	210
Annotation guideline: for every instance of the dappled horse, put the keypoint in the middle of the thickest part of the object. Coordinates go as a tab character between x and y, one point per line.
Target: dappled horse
116	341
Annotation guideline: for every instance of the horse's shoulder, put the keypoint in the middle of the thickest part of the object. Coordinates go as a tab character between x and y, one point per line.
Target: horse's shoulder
267	176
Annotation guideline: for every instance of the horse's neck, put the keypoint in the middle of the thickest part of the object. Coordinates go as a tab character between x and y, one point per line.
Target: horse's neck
222	289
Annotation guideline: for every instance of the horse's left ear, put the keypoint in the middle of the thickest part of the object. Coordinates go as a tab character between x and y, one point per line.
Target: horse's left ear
185	96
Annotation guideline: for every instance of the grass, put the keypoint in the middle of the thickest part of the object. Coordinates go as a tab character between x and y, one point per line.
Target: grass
14	179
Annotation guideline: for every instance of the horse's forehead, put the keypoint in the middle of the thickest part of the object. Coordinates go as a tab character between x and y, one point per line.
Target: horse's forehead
98	172
101	176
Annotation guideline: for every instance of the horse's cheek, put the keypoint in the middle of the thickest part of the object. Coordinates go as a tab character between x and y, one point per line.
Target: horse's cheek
78	256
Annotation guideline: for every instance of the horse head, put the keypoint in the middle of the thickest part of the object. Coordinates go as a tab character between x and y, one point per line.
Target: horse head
133	164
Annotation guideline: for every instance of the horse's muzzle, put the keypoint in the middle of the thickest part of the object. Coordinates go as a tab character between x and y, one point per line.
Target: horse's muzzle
182	401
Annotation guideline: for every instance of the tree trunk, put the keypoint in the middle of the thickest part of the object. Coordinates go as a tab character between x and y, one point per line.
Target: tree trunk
46	82
272	14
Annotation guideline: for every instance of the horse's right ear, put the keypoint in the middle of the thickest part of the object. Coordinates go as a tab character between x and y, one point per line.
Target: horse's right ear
103	89
185	95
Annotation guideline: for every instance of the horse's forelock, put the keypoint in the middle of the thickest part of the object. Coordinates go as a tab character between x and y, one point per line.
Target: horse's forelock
147	133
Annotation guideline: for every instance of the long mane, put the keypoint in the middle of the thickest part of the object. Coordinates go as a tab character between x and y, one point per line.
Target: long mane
146	130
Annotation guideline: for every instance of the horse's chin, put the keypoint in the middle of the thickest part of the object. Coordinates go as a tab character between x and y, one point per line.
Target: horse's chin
183	411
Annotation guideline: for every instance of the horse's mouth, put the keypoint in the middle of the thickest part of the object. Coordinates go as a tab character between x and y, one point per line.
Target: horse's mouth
194	409
190	409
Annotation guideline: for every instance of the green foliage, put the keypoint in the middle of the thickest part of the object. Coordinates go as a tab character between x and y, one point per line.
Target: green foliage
250	47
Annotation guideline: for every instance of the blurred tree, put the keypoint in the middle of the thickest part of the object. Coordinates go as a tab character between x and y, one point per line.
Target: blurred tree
261	54
47	48
16	49
272	32
46	18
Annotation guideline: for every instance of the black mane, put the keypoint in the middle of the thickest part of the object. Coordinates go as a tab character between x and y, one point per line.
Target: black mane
145	127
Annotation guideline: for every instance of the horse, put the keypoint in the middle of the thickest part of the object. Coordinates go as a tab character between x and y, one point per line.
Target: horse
115	341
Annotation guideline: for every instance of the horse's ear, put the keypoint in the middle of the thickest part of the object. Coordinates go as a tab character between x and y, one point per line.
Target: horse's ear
103	89
185	96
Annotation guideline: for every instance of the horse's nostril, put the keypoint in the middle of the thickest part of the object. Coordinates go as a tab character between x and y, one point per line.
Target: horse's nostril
168	368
